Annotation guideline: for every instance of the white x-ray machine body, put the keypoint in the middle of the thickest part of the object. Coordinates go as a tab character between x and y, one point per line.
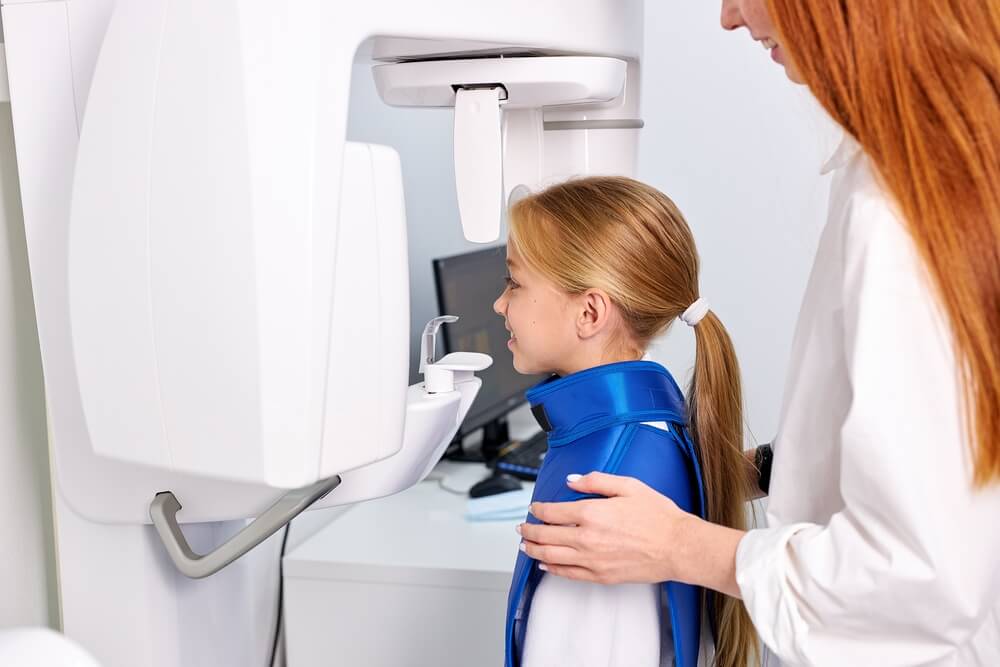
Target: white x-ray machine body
220	278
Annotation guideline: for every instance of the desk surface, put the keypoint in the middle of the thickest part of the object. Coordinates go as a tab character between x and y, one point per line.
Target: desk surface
417	536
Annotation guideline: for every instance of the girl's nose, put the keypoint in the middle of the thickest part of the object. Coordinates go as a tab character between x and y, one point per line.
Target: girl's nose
500	305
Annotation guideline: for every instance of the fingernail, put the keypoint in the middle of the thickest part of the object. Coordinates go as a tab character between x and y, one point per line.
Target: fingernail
543	567
521	546
518	528
573	478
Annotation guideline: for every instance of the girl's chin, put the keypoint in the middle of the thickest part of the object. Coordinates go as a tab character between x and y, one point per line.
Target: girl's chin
521	366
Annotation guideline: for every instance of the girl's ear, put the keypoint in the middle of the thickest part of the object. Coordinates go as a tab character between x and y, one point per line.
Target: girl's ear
594	313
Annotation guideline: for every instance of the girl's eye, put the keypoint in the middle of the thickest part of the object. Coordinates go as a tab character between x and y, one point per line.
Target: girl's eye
509	282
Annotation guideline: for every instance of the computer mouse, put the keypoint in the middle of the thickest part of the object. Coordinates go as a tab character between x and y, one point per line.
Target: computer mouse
494	484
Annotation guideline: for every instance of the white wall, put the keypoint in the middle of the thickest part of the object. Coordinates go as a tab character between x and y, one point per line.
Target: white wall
27	569
738	148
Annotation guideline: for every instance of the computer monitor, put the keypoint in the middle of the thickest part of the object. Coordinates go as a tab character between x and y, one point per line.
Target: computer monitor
467	285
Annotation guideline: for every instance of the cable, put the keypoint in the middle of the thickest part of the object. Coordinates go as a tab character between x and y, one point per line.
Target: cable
281	593
440	479
451	489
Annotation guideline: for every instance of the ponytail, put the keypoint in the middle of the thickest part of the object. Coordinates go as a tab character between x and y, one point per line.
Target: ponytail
716	425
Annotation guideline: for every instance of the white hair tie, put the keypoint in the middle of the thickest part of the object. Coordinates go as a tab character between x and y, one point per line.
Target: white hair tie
695	312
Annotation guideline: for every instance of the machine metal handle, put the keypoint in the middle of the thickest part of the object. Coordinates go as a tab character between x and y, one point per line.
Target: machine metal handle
163	511
428	342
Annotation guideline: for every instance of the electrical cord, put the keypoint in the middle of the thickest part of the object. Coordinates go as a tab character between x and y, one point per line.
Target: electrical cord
440	479
281	593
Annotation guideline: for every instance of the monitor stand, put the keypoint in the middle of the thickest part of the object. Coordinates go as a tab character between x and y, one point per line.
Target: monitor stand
496	435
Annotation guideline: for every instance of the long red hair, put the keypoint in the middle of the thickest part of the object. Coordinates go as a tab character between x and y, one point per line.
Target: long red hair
917	84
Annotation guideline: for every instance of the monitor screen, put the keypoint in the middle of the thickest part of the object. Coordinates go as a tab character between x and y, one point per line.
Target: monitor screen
467	285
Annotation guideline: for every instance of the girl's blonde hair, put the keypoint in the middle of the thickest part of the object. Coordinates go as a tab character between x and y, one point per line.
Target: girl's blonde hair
630	240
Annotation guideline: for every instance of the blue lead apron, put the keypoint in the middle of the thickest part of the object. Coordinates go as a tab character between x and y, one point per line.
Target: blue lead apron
594	421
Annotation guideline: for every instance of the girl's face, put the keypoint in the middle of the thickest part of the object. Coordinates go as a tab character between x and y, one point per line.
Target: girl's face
753	15
541	319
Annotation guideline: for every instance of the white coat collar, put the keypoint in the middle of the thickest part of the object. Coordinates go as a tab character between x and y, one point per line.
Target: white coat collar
846	151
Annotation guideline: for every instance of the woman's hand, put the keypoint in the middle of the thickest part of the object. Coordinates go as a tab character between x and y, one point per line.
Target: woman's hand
633	535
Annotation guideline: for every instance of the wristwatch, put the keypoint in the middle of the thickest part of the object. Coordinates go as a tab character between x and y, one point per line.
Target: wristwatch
762	461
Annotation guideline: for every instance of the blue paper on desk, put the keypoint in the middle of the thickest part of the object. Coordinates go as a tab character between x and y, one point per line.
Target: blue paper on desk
509	506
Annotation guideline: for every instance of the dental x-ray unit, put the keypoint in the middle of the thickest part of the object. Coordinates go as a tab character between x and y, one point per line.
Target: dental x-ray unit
220	278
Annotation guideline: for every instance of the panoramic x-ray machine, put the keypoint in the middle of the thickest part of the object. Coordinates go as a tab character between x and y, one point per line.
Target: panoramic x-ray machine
220	278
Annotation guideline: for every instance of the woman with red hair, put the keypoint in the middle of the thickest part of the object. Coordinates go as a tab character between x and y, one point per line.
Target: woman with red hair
883	545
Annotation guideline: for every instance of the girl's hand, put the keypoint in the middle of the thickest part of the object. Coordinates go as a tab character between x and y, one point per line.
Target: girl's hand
633	535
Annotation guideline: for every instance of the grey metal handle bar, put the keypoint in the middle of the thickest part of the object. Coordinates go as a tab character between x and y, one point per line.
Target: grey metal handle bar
163	511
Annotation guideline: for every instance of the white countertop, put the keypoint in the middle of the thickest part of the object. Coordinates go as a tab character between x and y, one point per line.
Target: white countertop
418	536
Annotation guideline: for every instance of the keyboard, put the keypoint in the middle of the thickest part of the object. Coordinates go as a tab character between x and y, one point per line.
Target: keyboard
523	459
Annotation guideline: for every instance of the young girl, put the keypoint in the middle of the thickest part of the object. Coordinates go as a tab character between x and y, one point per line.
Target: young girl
598	267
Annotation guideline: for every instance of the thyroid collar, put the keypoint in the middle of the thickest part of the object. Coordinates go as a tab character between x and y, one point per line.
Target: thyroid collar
595	422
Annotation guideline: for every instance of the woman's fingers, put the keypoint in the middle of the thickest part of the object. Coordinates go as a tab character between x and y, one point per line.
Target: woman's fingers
560	514
576	513
625	536
571	572
603	484
567	536
552	555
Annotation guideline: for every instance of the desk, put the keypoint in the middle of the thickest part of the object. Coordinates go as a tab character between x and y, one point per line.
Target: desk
403	581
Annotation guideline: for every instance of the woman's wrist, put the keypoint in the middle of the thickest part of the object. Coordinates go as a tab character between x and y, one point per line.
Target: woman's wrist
704	554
